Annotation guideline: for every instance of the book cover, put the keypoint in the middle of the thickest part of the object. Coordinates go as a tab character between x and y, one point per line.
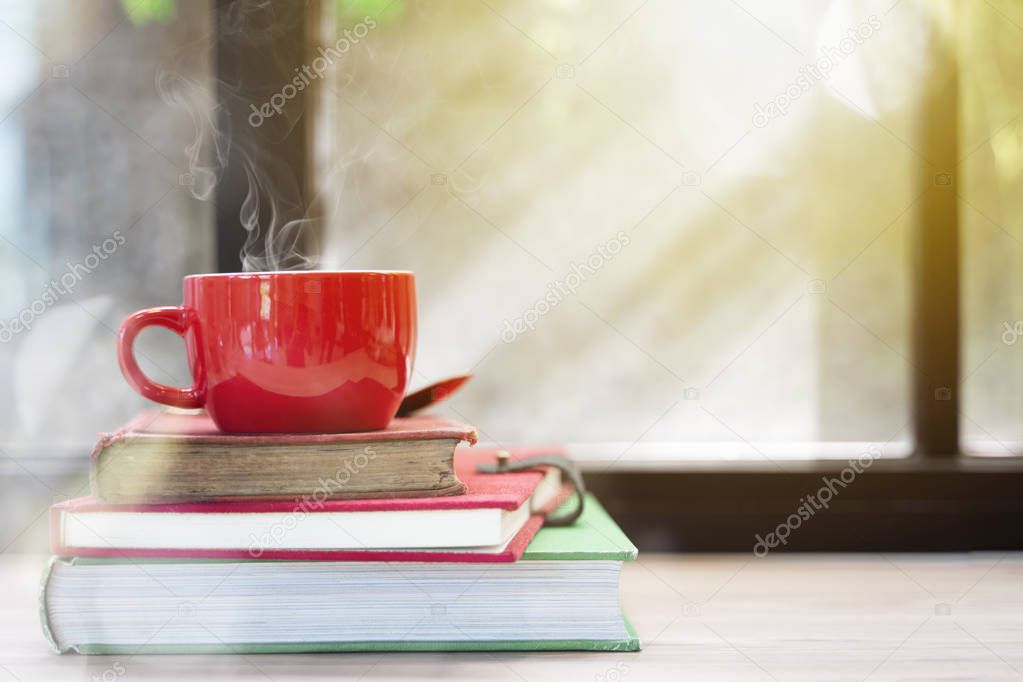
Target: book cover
196	427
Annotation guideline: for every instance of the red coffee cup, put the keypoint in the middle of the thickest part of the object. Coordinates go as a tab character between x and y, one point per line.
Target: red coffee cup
287	352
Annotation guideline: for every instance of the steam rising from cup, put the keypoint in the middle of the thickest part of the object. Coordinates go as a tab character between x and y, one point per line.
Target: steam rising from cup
273	213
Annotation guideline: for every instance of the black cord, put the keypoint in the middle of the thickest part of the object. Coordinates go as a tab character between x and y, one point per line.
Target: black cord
568	469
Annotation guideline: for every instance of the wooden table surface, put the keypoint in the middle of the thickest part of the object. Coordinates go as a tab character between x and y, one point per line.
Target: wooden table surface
812	617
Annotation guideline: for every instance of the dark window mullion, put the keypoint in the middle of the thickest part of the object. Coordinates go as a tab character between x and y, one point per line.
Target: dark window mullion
935	277
258	48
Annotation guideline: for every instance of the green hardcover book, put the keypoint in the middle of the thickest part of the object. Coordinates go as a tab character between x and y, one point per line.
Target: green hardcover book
562	595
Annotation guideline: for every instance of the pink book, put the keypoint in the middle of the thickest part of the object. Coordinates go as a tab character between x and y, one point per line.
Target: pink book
493	521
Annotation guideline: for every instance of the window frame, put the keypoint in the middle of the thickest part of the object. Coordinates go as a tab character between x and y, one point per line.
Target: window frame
938	498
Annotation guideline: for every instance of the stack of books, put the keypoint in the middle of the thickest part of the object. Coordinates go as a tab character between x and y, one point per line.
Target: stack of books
196	541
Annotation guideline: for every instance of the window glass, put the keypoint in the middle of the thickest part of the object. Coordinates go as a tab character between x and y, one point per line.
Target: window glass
98	218
991	214
629	228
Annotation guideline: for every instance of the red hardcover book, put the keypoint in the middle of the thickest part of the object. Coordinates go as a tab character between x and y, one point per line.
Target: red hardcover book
492	522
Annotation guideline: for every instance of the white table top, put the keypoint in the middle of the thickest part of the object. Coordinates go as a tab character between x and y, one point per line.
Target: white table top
812	617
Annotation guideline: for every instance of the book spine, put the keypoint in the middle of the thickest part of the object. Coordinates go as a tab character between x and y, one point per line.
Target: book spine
104	442
56	530
44	611
136	423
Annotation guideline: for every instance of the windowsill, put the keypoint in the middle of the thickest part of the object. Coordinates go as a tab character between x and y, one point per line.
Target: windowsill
775	457
772	456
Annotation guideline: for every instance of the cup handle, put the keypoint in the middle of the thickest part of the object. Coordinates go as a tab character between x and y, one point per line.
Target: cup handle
173	318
